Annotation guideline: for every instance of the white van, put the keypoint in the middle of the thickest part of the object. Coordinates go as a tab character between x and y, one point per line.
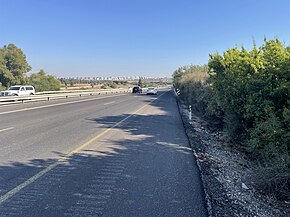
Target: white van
19	90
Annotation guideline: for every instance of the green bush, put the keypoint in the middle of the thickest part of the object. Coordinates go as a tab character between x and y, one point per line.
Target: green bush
249	93
43	82
272	178
109	84
252	90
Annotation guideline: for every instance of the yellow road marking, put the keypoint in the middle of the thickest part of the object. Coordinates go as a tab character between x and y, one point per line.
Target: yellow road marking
18	188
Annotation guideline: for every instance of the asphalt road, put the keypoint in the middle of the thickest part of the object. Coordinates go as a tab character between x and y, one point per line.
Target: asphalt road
117	155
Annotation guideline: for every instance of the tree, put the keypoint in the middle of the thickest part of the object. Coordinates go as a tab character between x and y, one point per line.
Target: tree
13	65
43	82
6	76
140	84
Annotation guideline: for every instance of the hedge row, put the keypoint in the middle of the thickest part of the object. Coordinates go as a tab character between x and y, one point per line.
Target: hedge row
247	92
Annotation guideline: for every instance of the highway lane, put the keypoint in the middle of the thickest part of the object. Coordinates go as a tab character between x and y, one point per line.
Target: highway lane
141	167
42	135
61	127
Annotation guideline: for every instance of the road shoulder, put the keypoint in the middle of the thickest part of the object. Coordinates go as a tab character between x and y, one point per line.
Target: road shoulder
222	170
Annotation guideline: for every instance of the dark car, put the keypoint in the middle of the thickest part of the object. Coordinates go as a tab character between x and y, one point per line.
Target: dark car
137	89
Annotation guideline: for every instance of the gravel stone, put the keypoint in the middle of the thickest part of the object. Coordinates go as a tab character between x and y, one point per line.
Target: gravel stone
223	171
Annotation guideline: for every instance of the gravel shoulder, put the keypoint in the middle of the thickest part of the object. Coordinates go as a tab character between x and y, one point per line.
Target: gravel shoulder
223	170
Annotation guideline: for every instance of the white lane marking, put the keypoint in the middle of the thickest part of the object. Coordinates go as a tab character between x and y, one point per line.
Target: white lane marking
9	128
53	105
27	182
108	103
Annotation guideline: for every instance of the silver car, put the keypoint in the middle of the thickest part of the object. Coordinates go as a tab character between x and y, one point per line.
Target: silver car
151	91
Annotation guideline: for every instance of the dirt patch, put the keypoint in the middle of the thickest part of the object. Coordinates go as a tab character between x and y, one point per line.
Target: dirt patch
224	171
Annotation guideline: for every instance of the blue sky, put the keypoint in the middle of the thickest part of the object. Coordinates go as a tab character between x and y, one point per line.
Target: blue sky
135	37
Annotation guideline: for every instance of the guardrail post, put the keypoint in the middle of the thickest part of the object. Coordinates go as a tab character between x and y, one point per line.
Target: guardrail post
189	113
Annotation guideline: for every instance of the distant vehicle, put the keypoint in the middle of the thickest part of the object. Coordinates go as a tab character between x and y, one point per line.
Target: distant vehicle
151	91
137	89
19	90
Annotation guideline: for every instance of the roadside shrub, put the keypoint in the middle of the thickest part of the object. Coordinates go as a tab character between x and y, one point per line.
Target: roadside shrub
195	90
247	87
272	178
109	84
43	82
266	139
248	93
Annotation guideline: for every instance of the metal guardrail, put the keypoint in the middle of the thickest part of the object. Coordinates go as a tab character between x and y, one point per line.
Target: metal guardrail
77	91
53	95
